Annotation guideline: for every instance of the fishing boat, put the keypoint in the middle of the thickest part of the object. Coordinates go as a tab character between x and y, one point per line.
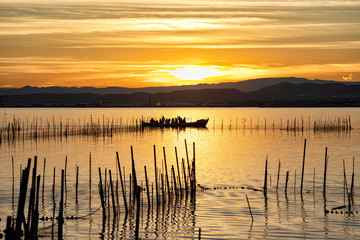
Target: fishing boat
201	123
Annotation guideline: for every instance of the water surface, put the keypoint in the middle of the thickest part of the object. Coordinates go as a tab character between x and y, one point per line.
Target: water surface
230	156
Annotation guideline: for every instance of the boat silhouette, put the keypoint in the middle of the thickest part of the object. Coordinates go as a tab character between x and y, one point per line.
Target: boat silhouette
201	123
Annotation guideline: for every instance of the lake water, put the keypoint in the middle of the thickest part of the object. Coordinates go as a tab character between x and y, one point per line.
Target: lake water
230	160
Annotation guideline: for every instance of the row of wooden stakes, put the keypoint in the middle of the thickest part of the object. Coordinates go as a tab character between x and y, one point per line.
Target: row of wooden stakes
167	186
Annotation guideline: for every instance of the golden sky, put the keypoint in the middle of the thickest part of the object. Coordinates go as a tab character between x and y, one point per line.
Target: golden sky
141	43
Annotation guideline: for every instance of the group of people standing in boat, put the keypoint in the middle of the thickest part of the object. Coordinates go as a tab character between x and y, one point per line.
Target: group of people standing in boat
164	120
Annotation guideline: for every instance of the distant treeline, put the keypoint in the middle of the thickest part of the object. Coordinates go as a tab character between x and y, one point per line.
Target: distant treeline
280	95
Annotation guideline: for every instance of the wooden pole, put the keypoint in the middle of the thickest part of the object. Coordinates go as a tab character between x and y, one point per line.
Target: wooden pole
122	182
252	218
105	190
286	182
352	179
61	207
32	198
138	191
13	177
184	174
156	178
133	170
188	162
9	235
303	167
147	187
265	178
112	193
43	182
174	179
65	172
20	217
346	188
325	173
178	169
194	169
166	174
35	213
77	184
162	188
294	181
314	182
130	188
90	173
102	197
278	176
53	187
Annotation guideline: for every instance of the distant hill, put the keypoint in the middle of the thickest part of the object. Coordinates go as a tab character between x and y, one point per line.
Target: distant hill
306	92
283	94
243	86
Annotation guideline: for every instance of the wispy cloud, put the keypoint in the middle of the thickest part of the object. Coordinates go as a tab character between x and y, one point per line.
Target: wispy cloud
136	42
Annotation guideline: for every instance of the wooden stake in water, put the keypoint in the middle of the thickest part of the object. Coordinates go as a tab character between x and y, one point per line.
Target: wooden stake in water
133	170
65	172
346	190
314	182
122	182
174	180
278	176
184	174
147	187
178	169
286	182
265	178
61	207
112	194
194	168
138	191
130	181
9	229
303	167
166	174
77	184
43	183
188	162
162	188
325	173
32	196
13	179
102	197
22	198
295	181
35	213
252	218
156	178
352	179
53	188
90	173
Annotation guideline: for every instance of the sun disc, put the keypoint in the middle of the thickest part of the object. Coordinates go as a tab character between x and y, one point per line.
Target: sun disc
197	73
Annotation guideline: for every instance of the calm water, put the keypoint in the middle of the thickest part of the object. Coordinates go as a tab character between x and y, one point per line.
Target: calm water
230	154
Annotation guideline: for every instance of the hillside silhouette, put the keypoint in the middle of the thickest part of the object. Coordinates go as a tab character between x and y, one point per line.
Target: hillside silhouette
277	92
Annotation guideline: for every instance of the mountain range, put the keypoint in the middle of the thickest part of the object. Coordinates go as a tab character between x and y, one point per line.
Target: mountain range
243	86
264	92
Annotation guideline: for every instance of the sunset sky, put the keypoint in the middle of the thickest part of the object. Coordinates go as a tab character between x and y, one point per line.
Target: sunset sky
139	43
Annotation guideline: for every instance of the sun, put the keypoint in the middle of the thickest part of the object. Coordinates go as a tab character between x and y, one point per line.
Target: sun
197	73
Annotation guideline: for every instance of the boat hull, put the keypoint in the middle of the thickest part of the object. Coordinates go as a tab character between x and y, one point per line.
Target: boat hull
197	124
